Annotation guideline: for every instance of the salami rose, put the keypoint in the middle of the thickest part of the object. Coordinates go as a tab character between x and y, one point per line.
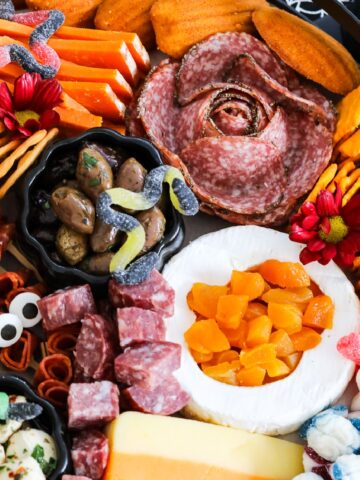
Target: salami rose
250	136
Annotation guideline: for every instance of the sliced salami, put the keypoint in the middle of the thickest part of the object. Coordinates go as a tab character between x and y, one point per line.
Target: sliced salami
66	306
166	399
90	453
207	61
95	347
245	174
92	404
147	364
250	136
153	294
137	325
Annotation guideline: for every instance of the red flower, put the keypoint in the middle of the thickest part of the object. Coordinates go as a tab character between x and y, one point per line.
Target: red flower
330	231
30	108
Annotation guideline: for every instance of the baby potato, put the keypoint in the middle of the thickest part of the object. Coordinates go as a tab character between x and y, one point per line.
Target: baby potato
93	173
154	222
72	246
74	209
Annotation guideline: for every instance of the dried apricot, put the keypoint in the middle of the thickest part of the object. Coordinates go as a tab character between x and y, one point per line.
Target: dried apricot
230	310
258	355
285	316
319	313
283	343
205	298
201	357
306	339
292	360
276	368
205	336
237	337
247	283
255	309
288	295
251	377
284	274
223	372
259	330
227	356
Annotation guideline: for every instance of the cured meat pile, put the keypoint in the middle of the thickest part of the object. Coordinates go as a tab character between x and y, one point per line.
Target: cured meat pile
120	353
249	134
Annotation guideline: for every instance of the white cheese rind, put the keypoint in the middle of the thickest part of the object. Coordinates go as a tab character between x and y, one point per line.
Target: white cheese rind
322	375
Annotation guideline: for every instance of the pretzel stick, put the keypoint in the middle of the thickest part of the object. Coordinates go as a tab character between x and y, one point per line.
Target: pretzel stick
28	159
8	163
324	180
24	261
9	147
350	193
4	140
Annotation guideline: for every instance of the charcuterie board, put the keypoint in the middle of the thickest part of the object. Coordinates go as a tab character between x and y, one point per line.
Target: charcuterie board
179	241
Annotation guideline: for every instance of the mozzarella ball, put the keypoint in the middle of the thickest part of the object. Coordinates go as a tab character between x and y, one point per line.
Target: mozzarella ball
30	469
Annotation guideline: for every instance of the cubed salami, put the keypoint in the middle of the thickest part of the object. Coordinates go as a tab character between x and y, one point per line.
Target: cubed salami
74	477
138	325
165	399
153	294
147	364
79	375
92	404
66	306
90	453
96	347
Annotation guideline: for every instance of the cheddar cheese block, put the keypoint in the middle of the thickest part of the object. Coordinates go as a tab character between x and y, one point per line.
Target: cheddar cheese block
148	447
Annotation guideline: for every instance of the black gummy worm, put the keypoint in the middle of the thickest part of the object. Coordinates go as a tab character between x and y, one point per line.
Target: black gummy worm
45	30
27	62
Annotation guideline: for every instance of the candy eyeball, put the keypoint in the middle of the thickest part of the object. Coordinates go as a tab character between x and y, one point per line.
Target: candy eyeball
10	329
24	306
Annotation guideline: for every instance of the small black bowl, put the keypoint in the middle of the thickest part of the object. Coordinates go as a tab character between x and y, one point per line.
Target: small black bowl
49	420
59	275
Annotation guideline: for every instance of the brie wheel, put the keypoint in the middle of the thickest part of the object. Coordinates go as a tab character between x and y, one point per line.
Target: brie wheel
322	374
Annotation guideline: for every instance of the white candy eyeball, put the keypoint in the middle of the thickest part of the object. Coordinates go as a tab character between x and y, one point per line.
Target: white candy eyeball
10	329
25	307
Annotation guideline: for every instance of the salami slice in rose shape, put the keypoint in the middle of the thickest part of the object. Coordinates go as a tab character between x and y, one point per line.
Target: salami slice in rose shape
250	136
207	61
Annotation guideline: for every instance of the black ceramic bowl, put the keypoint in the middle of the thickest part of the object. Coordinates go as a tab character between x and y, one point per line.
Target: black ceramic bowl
57	274
49	420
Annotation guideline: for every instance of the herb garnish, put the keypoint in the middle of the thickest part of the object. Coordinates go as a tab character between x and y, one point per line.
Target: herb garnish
94	182
47	467
89	161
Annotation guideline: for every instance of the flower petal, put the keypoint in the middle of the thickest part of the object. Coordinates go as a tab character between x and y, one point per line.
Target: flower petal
32	125
49	119
307	257
316	245
351	212
6	102
310	222
328	253
296	218
23	91
325	226
338	197
308	208
299	234
325	204
47	95
10	124
348	248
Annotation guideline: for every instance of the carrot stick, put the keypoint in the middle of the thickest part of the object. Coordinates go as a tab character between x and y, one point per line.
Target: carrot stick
73	122
132	40
101	54
72	71
98	98
118	127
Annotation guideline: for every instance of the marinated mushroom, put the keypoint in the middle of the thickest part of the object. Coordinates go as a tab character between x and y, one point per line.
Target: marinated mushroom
98	264
93	172
74	209
103	237
154	223
131	175
71	245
